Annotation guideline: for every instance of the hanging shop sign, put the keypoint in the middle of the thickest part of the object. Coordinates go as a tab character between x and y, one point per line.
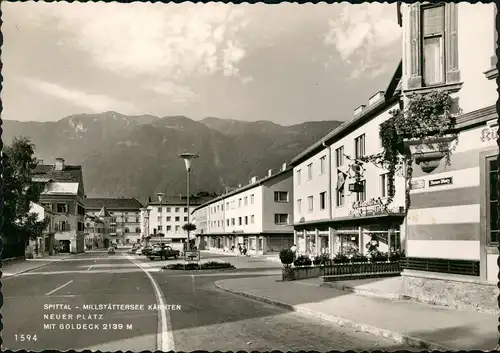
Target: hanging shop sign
441	181
356	187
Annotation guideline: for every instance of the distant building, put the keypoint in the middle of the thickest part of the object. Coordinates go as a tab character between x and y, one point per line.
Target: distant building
258	215
166	218
64	195
124	218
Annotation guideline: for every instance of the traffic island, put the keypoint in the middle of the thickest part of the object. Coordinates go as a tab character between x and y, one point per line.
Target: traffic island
212	265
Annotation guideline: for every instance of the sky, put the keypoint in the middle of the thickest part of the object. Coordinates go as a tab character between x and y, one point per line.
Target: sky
285	63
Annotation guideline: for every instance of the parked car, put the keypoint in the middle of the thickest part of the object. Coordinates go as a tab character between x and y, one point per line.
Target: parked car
146	250
111	250
163	252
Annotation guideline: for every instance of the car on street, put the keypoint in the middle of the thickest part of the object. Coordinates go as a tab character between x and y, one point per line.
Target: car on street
163	252
111	250
146	250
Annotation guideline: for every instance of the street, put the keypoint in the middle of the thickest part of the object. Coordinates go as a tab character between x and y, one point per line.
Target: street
59	304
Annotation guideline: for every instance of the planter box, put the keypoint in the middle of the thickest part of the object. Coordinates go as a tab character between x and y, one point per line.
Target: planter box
337	272
304	272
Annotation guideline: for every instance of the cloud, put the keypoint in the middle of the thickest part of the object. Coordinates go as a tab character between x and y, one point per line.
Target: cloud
368	31
174	41
174	92
95	102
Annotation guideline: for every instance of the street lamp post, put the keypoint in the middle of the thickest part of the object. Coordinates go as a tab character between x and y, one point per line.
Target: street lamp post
188	158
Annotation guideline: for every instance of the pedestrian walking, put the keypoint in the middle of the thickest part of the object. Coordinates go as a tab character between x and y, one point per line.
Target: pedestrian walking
240	249
244	250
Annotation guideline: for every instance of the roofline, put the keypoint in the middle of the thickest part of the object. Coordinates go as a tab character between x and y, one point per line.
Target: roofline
390	97
243	188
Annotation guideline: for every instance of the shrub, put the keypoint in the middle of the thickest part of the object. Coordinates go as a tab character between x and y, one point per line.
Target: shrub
397	255
321	259
340	259
286	257
358	257
303	260
212	265
379	256
215	265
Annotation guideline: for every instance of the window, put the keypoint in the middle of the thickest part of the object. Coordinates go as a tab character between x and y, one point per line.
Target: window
310	203
298	173
384	189
233	205
246	220
239	203
177	209
299	206
339	156
126	230
185	219
252	219
280	196
252	199
222	207
246	200
493	200
433	45
359	146
227	222
169	219
177	219
159	219
177	228
169	228
159	209
280	218
322	200
159	228
137	230
322	165
47	206
309	171
232	221
62	208
169	209
227	206
340	197
186	209
137	220
361	196
239	221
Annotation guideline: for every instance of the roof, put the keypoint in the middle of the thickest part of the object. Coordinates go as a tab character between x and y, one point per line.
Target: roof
392	94
244	188
69	173
180	201
113	203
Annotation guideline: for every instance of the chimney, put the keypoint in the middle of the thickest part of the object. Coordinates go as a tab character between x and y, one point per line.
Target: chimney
239	185
375	98
283	167
59	164
253	180
359	109
269	172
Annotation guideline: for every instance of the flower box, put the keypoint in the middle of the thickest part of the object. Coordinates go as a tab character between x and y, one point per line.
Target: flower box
344	271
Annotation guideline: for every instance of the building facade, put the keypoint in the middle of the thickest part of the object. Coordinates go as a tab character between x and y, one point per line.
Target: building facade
331	219
45	244
452	223
64	195
124	219
258	215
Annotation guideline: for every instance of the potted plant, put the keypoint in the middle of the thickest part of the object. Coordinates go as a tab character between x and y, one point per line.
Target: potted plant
287	256
321	259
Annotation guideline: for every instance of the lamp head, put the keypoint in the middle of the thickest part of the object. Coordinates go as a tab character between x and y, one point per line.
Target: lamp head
160	196
188	158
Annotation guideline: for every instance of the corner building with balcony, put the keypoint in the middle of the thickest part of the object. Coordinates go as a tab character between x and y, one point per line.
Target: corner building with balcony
329	218
122	219
258	215
452	223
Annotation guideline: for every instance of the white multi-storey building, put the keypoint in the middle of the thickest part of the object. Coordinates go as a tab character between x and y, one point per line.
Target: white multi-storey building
258	215
328	217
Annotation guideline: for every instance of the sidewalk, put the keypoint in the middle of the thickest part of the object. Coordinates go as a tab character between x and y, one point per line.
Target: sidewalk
17	267
420	325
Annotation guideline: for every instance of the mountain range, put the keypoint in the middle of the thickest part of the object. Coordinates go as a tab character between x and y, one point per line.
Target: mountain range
137	156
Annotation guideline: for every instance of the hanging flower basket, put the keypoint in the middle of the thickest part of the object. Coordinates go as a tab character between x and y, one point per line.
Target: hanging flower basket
429	152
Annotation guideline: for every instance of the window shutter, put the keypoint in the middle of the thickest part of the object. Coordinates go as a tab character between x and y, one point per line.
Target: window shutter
415	79
451	43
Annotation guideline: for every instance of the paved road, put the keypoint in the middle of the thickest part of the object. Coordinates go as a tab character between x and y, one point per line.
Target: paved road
200	316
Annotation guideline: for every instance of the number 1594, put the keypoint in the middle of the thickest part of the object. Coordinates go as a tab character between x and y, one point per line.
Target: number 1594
22	338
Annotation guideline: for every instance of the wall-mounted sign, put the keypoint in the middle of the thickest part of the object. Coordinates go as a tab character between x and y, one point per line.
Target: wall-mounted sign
441	181
489	133
368	208
417	184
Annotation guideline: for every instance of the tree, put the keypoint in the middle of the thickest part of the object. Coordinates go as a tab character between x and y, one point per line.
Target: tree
19	163
189	227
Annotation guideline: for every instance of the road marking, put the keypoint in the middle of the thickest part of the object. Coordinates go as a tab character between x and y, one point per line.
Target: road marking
164	338
90	267
55	290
